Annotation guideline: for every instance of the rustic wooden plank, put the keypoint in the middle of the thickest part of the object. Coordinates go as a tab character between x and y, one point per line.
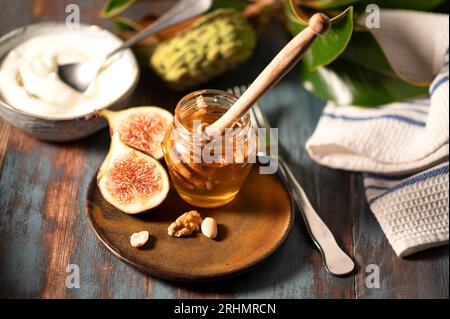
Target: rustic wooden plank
5	130
14	14
41	204
102	276
20	222
25	172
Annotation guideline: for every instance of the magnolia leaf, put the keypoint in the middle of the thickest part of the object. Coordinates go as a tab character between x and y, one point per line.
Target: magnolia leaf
125	24
327	48
420	5
115	7
394	4
361	76
325	4
236	4
348	83
364	50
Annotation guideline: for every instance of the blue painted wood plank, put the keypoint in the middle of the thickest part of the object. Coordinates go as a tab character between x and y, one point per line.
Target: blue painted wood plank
22	188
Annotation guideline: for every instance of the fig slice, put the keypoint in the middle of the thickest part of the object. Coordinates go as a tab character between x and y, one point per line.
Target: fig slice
142	128
131	180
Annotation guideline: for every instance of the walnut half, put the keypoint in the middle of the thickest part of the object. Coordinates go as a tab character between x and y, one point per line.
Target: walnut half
185	225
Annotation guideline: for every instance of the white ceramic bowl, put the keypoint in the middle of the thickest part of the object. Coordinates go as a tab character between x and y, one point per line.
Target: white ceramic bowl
67	128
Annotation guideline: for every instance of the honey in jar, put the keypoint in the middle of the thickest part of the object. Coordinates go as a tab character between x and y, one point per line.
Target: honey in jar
208	171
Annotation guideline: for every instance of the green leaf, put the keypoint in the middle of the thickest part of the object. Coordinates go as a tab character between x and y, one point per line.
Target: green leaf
115	7
350	81
236	4
326	4
364	51
420	5
394	4
361	76
125	24
326	48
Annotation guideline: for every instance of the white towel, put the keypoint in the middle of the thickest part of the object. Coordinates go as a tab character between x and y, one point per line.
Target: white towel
403	148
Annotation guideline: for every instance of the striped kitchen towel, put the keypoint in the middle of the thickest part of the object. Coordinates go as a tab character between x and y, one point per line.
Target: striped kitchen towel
411	210
403	150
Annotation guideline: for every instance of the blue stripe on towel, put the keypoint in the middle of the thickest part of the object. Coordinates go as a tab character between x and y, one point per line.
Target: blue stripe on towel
413	180
377	117
381	188
437	84
386	177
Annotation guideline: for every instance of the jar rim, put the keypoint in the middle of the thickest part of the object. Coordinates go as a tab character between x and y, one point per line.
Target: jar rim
204	92
212	92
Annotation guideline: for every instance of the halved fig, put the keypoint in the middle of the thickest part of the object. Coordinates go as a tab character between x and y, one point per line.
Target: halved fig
142	128
131	180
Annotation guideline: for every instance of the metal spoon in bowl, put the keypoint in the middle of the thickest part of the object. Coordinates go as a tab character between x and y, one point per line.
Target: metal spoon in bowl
80	75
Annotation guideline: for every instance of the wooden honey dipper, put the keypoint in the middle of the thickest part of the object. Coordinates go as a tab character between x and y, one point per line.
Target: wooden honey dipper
195	175
319	24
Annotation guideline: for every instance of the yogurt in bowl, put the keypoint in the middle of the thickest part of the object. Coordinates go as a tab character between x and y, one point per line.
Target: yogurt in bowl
31	91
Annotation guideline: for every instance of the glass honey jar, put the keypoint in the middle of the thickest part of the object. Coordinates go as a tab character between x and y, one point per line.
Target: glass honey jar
208	171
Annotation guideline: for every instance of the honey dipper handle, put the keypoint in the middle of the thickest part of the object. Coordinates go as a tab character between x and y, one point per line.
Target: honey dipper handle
319	24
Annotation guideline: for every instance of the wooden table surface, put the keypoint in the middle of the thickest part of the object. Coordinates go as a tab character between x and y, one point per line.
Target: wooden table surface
43	185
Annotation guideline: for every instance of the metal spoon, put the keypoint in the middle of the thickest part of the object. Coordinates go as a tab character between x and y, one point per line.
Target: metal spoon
80	75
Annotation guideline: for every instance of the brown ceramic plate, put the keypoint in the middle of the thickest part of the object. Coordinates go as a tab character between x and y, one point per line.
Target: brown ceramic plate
250	228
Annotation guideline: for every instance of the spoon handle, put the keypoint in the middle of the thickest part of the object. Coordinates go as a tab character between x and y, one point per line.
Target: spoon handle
182	11
319	24
335	259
